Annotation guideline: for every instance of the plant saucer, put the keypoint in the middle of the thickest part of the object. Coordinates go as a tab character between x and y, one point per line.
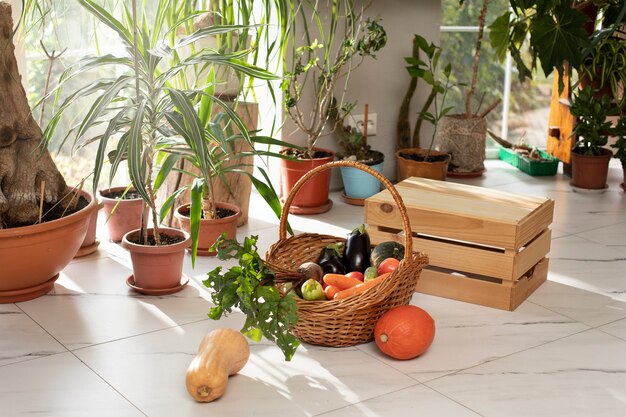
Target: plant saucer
87	250
184	280
589	190
473	174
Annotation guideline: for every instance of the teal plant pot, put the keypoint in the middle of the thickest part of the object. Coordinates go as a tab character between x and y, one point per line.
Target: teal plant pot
360	184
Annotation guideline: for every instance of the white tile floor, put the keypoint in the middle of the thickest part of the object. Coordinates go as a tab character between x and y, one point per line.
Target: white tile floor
92	347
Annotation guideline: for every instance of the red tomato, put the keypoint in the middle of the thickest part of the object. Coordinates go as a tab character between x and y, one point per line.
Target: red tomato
388	265
356	274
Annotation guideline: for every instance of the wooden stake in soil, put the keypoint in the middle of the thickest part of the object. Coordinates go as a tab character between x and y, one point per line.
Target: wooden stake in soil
43	187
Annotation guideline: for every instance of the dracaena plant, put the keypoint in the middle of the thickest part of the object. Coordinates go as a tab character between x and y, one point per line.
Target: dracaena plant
133	106
209	145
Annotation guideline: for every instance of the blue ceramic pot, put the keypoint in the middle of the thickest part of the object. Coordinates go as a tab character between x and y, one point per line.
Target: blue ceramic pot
360	184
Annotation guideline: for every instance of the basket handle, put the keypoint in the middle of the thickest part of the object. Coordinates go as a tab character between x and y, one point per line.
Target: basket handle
408	241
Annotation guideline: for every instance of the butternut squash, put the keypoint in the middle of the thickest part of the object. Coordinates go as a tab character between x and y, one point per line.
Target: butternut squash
223	352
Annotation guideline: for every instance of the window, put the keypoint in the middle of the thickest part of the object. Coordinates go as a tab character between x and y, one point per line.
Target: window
523	112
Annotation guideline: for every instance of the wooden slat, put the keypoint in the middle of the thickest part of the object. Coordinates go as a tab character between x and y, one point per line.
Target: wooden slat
442	224
528	285
463	212
458	257
534	224
489	294
532	253
465	289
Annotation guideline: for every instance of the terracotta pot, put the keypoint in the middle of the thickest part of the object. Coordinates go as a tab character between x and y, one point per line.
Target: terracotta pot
590	172
90	243
463	138
32	256
210	229
406	168
157	267
314	194
127	214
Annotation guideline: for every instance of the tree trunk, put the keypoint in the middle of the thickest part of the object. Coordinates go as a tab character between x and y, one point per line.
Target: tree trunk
23	163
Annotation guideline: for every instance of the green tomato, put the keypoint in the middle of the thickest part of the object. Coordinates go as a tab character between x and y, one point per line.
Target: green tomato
313	290
370	273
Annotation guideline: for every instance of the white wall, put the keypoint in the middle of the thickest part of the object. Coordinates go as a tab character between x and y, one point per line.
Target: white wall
382	83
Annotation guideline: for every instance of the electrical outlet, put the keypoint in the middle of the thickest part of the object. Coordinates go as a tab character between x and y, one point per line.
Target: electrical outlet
357	121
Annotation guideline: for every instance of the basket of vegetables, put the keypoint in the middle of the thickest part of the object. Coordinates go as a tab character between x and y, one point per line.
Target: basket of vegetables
346	313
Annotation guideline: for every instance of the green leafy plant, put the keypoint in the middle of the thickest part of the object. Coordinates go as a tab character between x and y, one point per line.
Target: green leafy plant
551	33
206	144
606	66
592	128
331	51
133	106
440	84
251	287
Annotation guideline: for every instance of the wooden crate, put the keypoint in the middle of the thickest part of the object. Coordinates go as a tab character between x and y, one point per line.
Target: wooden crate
485	246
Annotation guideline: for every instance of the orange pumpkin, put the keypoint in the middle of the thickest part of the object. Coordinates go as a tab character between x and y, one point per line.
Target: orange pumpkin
404	332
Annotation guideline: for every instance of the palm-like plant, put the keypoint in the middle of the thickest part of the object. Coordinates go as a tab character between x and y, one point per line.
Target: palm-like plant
209	147
134	105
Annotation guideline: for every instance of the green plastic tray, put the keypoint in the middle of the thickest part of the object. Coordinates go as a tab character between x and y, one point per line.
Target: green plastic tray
529	166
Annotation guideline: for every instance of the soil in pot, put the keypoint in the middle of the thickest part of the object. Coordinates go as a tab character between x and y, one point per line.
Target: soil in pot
120	194
422	158
165	240
51	212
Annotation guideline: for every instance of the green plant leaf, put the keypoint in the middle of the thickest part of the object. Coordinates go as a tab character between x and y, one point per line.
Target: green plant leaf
105	17
499	35
559	38
195	215
136	165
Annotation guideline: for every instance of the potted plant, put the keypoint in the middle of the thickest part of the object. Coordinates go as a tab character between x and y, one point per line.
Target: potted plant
463	135
133	106
212	153
315	67
605	67
251	27
590	158
412	160
358	185
42	221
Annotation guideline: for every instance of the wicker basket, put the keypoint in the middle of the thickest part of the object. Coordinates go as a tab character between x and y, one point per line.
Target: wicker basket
349	321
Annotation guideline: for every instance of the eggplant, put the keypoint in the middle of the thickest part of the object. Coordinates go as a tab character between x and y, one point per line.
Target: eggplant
330	259
356	254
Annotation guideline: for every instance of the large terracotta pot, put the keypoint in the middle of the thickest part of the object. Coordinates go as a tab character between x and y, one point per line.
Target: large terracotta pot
590	172
313	197
127	214
406	168
31	257
157	268
210	229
